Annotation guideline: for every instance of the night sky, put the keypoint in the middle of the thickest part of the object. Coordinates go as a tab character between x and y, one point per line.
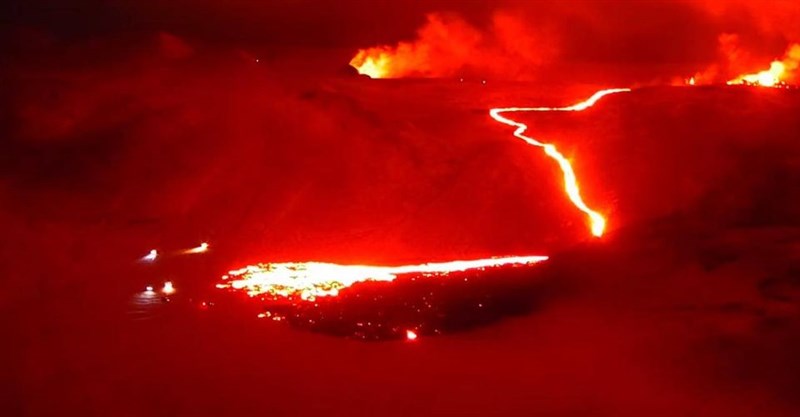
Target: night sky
618	31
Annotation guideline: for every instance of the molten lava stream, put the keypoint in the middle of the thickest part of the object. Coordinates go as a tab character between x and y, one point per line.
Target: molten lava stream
597	221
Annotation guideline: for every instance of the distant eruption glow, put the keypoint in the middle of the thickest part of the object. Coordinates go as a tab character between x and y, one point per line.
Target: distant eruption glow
597	221
768	78
373	63
781	73
447	45
778	72
309	280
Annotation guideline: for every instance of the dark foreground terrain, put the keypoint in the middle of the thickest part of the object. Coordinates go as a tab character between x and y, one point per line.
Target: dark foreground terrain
690	305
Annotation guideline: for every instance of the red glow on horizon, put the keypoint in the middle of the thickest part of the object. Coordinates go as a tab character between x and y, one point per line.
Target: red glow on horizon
779	71
737	66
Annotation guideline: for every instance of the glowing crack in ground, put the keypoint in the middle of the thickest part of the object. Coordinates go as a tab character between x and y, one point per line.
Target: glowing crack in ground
597	221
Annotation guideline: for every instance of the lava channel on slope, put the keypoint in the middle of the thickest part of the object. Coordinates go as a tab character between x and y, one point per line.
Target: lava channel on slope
351	300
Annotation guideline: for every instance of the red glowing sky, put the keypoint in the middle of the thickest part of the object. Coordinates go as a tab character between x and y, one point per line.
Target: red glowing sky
665	32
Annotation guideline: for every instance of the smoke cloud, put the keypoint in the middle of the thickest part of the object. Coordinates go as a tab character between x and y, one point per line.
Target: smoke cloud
448	45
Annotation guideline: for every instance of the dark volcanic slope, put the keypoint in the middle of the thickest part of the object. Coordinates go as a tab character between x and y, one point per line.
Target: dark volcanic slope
689	306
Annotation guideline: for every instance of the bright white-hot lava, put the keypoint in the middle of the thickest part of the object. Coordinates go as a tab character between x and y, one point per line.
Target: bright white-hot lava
308	280
596	220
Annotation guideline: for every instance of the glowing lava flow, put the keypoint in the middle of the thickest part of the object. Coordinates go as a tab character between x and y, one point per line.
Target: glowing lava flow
597	221
308	280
